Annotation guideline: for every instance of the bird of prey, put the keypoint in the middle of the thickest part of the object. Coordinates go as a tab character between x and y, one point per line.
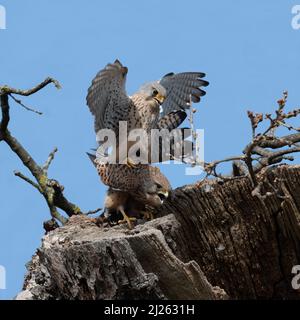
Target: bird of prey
117	202
157	105
141	188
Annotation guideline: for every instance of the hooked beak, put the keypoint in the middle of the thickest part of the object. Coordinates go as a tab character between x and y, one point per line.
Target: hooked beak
160	98
163	195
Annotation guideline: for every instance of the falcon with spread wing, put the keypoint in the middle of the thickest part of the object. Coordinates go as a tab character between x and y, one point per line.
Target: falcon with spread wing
157	105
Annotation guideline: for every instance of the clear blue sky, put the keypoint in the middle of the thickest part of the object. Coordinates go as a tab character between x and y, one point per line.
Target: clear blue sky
247	48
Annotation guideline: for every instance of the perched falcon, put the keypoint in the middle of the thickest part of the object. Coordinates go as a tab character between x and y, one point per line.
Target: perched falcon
109	103
117	202
130	189
157	105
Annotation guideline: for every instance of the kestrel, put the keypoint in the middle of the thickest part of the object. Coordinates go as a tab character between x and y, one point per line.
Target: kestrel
157	105
119	204
140	188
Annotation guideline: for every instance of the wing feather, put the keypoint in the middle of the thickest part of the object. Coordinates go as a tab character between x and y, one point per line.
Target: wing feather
182	87
108	84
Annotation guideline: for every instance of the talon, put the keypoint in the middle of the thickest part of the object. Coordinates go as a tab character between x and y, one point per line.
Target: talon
126	219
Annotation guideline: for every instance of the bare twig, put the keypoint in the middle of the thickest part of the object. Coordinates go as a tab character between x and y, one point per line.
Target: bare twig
92	212
211	165
23	105
5	115
288	126
255	120
28	180
193	132
49	160
8	90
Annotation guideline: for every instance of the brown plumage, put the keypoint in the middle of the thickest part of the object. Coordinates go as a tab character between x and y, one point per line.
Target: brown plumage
132	191
109	103
143	182
157	105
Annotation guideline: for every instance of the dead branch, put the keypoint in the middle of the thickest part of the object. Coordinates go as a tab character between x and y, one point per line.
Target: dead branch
51	189
28	180
9	90
49	160
23	105
261	152
92	212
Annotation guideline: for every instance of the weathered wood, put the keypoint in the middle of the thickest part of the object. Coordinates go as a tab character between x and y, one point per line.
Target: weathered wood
244	244
209	234
81	261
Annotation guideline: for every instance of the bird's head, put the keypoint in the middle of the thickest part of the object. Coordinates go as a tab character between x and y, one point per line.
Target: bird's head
154	92
162	192
159	190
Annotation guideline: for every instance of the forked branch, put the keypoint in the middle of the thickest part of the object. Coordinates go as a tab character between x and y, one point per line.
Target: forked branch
265	148
51	189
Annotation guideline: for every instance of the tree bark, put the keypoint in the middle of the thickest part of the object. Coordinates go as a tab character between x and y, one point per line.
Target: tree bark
211	240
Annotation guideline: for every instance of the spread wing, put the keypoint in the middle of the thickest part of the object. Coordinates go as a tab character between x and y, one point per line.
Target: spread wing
107	95
182	87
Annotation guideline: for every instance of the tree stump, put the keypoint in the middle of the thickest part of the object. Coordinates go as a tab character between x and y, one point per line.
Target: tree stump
211	240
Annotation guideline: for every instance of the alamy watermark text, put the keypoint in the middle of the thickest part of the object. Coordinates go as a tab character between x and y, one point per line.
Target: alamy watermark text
2	278
296	17
2	17
296	278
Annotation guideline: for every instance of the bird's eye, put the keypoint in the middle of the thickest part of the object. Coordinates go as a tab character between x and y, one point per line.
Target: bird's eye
154	92
158	185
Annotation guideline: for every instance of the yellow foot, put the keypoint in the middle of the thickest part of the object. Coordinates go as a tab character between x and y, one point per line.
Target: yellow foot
126	219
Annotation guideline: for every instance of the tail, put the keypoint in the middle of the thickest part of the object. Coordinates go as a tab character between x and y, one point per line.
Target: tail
179	149
185	149
172	120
